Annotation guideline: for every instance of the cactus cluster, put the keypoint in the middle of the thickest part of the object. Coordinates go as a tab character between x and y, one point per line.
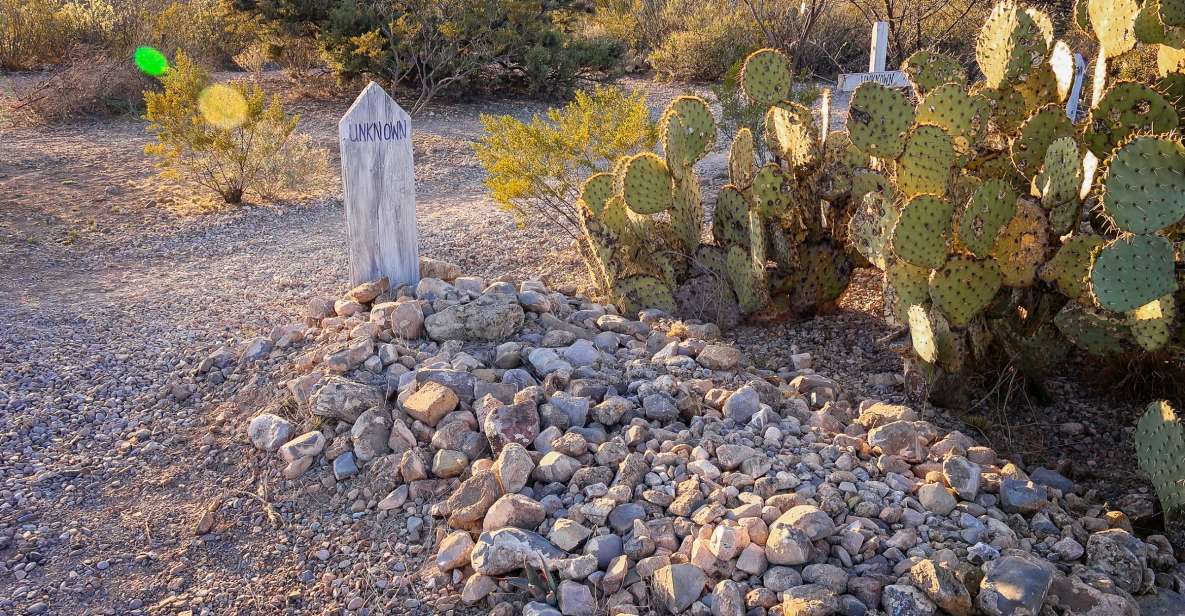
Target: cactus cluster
1005	229
771	244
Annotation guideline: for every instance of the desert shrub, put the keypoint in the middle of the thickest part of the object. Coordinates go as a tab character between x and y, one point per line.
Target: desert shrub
950	26
31	33
231	138
707	43
211	32
88	83
446	46
253	59
536	169
640	24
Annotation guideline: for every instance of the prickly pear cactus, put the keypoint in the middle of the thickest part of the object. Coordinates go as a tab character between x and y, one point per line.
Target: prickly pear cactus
927	70
1141	193
1126	109
925	164
922	233
1160	448
766	78
964	287
645	184
879	119
1131	271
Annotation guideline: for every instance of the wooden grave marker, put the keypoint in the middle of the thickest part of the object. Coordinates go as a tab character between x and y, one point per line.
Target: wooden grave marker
877	52
379	188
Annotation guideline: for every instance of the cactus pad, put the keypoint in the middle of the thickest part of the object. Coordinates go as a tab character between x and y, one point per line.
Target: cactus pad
963	116
687	214
1069	269
688	131
909	284
1149	26
766	77
1169	60
1092	330
1126	109
963	287
792	136
1114	24
708	259
1010	44
636	293
1152	324
924	166
1041	129
645	184
991	207
1172	86
879	119
1006	106
1060	178
927	70
1172	12
870	227
1132	271
1160	449
730	223
1020	249
598	189
921	333
771	190
742	159
1145	185
745	282
922	233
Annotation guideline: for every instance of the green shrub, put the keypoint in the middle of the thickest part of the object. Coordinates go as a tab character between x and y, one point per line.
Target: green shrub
710	40
536	169
446	46
229	138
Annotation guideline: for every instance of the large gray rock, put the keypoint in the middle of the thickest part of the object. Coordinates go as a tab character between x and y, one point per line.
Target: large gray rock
942	587
678	586
512	423
514	510
742	404
501	551
370	434
489	317
341	398
1013	586
268	431
1121	556
809	600
894	438
905	600
513	467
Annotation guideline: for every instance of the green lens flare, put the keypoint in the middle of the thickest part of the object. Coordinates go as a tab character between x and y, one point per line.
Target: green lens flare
151	61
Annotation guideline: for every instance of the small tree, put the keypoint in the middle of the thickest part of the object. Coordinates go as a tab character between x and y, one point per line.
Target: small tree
230	140
537	169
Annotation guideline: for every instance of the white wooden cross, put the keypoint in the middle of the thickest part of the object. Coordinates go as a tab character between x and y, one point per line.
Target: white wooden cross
878	50
379	187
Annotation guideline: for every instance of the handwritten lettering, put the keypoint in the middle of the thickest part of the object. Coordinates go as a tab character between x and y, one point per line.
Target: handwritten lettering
377	131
